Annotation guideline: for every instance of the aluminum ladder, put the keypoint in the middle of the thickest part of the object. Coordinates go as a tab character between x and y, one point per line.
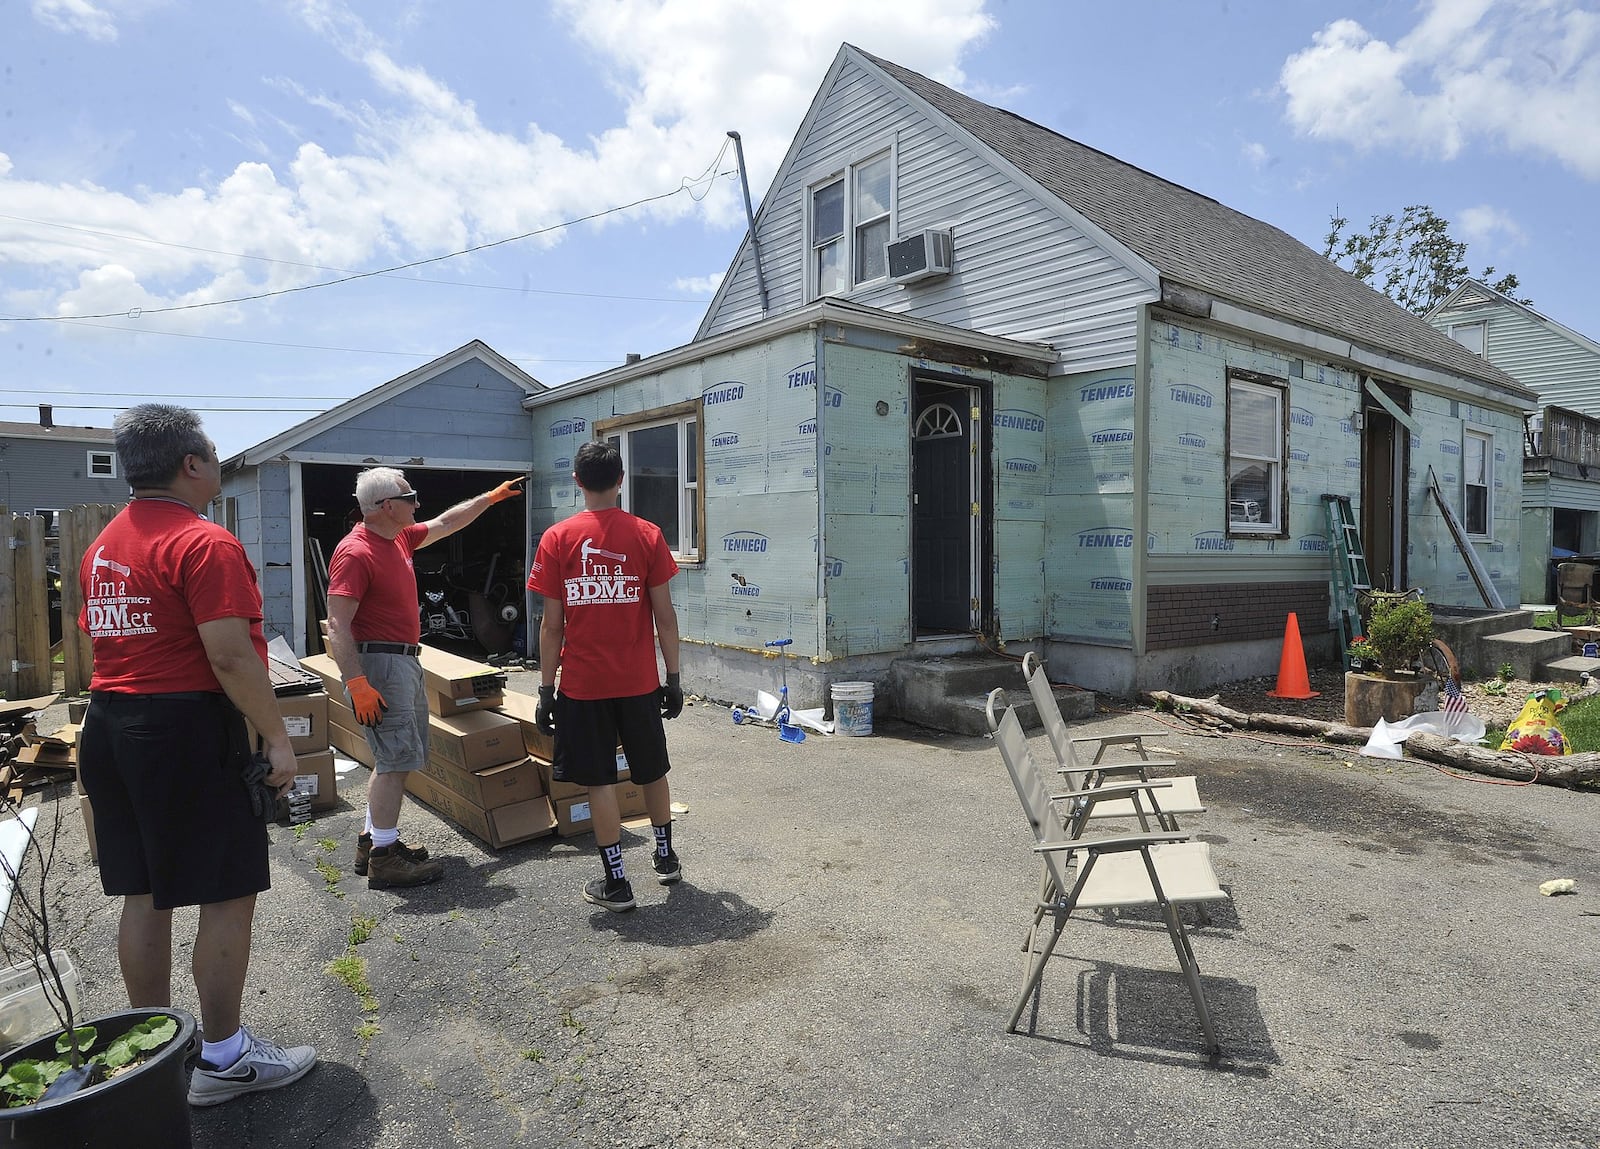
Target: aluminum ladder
1349	569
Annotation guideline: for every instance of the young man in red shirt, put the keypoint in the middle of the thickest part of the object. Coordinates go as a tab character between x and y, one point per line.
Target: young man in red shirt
603	574
173	613
374	635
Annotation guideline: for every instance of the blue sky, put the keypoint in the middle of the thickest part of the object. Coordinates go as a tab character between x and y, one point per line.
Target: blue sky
163	154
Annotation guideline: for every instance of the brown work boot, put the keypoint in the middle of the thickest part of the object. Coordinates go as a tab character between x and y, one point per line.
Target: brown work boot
364	851
388	866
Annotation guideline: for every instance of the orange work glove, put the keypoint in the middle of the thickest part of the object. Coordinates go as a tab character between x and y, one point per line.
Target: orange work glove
365	700
509	489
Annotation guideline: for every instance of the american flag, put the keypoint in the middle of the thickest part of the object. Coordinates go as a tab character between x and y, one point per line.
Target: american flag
1454	703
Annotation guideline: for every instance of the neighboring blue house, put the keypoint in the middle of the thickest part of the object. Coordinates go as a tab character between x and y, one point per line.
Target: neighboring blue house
1561	463
972	383
455	426
45	467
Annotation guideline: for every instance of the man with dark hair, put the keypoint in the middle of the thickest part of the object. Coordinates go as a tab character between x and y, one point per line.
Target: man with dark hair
374	635
603	574
173	613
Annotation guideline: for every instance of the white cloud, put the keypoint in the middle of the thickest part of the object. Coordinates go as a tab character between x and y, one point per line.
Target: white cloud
423	174
1256	154
1486	225
1524	74
698	284
84	18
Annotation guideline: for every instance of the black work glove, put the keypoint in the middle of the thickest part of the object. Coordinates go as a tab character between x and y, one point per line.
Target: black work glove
263	798
671	697
544	714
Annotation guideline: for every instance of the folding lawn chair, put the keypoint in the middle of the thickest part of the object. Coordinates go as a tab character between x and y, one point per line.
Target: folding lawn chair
1180	796
1162	869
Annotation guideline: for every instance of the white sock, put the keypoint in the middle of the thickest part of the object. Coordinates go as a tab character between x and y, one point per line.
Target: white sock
368	828
225	1052
384	837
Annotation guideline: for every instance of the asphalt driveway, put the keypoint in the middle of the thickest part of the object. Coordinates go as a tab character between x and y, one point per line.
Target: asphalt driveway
838	966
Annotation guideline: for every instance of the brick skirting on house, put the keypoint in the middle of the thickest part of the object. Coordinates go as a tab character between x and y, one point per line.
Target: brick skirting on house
1178	616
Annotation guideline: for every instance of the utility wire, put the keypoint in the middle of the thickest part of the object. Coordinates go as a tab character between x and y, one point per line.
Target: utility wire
136	312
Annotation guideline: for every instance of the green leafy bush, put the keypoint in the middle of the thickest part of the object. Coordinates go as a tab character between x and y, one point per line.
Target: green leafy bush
1398	633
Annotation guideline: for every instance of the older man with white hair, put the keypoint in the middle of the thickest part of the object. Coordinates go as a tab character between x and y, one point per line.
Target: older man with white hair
374	634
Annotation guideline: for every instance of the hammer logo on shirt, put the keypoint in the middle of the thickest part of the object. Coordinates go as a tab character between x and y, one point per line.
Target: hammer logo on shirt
600	582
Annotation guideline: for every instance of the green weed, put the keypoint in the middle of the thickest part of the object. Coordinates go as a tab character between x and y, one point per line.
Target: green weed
361	928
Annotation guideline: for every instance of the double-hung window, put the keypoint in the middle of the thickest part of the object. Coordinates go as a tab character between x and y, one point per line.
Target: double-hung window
102	465
1257	434
661	459
1477	481
850	222
1469	335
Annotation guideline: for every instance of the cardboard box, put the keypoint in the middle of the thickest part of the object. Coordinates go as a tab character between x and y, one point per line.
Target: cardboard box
491	787
458	684
352	744
572	816
522	707
474	740
305	717
502	826
88	827
630	800
314	772
323	666
558	789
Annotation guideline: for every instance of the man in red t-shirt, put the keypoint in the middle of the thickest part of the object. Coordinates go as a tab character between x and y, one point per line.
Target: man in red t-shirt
173	615
374	630
603	574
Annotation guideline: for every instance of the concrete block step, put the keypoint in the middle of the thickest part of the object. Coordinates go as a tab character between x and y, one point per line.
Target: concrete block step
1526	651
1572	668
964	714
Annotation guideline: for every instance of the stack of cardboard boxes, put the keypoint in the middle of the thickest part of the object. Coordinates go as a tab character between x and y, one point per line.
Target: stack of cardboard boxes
303	702
571	803
478	772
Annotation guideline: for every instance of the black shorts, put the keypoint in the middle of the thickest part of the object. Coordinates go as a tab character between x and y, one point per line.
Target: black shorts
589	729
172	816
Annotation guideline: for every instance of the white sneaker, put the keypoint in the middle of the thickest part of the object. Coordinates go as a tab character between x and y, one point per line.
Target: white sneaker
262	1065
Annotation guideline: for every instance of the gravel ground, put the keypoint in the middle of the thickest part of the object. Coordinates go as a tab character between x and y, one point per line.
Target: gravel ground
1497	710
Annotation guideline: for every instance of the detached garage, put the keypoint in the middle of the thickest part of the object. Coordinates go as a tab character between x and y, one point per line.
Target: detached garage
456	427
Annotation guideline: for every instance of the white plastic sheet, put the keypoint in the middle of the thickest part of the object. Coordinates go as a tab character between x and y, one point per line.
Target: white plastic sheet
1388	737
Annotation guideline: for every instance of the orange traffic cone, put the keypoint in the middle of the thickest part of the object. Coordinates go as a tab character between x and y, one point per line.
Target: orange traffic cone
1292	679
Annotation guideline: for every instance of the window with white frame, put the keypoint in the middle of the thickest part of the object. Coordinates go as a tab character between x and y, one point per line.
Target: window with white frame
1469	335
850	222
661	471
1257	432
1477	481
102	465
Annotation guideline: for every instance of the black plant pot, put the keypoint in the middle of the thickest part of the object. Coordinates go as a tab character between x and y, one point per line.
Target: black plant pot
143	1107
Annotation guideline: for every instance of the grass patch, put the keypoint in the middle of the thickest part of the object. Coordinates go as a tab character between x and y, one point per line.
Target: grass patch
331	875
328	845
361	928
351	969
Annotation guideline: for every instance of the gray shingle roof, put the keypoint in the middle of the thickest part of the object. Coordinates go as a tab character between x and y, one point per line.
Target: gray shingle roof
1193	240
59	431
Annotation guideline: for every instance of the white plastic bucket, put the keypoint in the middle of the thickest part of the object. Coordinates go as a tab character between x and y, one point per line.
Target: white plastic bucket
852	708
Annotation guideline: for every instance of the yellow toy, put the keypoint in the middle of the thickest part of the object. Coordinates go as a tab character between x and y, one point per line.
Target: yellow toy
1536	730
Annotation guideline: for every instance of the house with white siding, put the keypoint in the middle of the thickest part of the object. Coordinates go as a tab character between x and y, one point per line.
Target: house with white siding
971	384
1561	463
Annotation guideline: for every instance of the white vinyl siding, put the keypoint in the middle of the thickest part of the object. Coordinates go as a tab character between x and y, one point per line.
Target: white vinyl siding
1565	372
1021	270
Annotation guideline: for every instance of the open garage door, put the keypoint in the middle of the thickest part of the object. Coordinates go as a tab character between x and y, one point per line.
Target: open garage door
470	586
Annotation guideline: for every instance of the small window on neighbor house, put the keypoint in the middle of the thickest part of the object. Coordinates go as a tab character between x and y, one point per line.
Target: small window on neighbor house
102	464
1477	481
827	237
661	473
1255	456
1469	335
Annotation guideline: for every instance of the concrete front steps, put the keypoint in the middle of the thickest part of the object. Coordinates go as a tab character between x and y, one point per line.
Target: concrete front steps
948	692
1484	643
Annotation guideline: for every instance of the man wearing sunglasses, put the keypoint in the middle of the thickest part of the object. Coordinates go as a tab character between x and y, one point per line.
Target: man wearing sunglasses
374	632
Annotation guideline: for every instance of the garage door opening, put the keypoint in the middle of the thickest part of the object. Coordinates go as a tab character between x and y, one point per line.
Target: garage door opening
471	599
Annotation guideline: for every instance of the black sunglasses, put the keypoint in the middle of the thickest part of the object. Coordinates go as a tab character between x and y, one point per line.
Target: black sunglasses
410	497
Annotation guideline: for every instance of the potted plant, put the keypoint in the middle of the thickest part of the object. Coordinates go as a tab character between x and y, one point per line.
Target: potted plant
125	1071
1383	681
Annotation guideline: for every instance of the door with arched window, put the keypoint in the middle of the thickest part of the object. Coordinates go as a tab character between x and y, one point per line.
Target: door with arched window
946	524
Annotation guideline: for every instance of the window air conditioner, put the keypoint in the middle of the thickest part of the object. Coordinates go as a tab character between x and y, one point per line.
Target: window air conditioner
921	256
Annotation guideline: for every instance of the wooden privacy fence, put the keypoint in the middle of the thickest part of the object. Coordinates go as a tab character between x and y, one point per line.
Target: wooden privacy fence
26	653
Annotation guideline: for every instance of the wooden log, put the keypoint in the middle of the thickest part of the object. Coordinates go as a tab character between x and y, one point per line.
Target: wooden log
1549	770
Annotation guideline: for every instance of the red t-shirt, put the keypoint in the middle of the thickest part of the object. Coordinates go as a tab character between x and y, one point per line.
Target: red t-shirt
377	572
156	572
601	564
